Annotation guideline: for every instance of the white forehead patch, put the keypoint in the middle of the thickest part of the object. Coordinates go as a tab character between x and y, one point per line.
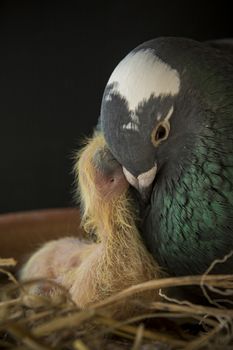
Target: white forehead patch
142	74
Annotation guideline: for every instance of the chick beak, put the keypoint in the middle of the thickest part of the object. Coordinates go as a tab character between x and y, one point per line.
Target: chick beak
143	182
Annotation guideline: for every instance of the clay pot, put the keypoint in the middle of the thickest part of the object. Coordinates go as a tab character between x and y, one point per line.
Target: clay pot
22	233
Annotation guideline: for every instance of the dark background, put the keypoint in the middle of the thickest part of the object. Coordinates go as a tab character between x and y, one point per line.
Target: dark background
55	59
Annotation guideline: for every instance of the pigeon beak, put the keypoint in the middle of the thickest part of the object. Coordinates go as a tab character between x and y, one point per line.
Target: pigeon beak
142	183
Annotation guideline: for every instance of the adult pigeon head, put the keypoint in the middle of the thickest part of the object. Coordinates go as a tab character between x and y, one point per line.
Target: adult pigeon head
150	109
167	117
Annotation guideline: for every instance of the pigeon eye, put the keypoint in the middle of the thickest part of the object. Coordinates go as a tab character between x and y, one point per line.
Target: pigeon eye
160	133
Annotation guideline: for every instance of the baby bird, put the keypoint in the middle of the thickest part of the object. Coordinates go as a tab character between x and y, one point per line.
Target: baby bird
93	271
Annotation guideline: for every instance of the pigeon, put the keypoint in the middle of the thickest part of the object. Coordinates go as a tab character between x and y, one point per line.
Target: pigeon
167	118
92	271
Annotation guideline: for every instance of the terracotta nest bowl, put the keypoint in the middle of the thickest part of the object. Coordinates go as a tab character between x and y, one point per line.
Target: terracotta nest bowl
22	233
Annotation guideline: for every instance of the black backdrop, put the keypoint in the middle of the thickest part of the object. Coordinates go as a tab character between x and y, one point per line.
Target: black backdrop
55	59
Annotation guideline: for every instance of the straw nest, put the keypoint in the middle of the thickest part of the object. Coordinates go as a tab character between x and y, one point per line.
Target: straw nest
36	322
